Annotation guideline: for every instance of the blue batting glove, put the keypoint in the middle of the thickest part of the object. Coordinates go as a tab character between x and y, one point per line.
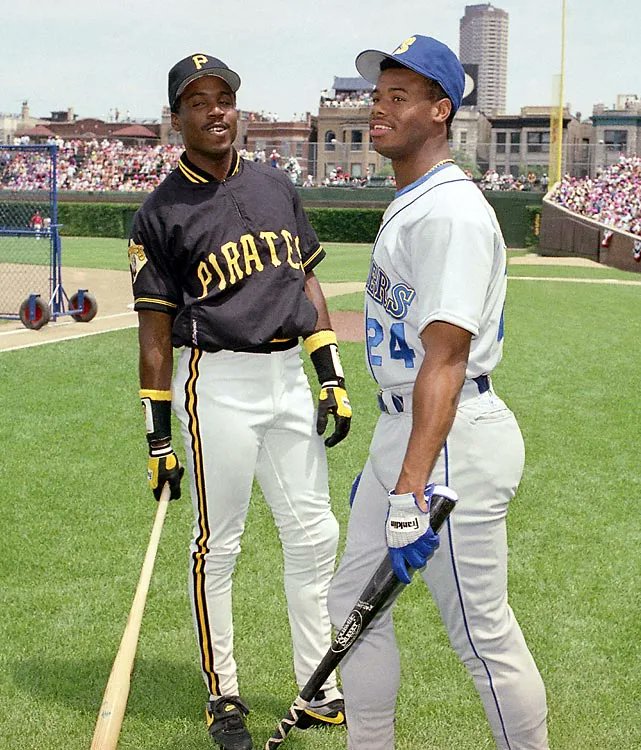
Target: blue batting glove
410	539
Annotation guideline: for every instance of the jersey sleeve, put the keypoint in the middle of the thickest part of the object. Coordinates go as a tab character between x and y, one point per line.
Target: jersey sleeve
311	250
451	255
152	284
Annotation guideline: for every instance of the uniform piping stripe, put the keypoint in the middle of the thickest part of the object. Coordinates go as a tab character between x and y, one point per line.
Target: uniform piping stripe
237	165
313	256
163	302
465	622
190	174
193	176
198	557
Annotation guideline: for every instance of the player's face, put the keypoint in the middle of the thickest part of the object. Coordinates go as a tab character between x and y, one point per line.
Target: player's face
207	118
403	117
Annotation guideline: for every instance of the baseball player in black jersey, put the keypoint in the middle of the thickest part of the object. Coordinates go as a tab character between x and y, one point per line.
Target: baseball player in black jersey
222	258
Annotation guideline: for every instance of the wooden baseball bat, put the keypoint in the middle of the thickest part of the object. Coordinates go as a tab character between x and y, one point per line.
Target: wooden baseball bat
378	590
114	700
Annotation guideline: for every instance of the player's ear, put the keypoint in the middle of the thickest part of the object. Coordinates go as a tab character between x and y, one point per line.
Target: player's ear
175	122
443	108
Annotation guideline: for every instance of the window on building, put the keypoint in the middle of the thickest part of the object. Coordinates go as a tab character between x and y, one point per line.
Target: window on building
357	140
538	142
515	143
500	142
616	140
330	141
356	169
463	138
299	149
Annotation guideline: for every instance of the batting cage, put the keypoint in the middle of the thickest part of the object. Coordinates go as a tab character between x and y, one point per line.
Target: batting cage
30	250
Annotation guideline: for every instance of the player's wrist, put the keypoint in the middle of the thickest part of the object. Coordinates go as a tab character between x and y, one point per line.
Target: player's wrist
156	406
322	347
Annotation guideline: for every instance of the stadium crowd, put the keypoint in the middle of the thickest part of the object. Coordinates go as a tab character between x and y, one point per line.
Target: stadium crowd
492	180
346	99
612	198
90	166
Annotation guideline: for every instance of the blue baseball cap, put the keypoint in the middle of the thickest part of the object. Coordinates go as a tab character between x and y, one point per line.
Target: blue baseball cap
424	55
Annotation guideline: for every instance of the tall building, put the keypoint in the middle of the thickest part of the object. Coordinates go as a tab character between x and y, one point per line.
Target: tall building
483	36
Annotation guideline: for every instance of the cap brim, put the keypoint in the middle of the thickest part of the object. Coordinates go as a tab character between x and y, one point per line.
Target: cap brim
232	79
368	64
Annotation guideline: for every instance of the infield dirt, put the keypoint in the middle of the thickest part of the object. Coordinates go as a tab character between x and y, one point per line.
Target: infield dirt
112	290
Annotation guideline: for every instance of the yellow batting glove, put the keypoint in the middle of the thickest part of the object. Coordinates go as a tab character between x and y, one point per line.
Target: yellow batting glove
322	348
163	466
333	399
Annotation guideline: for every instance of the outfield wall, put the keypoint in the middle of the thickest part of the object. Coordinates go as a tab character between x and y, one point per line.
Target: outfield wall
566	234
110	214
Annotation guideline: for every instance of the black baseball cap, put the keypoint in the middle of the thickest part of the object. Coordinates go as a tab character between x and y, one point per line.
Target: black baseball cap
195	66
424	55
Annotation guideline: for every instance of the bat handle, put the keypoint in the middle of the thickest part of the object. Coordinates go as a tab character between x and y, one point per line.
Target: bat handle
287	723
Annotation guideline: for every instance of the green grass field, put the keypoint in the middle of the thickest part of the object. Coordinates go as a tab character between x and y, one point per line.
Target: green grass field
76	517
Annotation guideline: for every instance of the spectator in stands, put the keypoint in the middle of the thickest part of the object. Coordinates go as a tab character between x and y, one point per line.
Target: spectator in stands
36	223
612	198
274	159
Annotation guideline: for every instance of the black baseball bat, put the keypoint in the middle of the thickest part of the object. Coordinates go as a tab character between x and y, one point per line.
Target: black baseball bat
380	587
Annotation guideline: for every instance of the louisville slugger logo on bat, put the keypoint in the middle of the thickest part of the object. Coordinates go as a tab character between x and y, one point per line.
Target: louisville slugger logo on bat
348	633
379	589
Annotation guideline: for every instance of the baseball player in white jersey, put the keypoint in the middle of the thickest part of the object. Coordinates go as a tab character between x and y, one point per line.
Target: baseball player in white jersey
434	317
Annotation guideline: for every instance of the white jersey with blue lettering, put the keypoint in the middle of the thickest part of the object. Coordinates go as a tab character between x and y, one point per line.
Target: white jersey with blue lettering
439	256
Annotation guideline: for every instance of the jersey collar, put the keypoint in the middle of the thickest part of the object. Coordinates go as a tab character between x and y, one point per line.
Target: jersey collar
198	176
423	178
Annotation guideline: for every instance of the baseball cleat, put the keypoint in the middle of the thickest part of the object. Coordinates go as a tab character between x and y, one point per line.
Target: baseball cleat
225	717
330	714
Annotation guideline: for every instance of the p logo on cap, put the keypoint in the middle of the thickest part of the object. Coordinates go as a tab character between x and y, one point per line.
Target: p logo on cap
199	61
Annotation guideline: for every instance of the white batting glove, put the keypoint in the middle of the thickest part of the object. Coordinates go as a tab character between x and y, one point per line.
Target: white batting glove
410	539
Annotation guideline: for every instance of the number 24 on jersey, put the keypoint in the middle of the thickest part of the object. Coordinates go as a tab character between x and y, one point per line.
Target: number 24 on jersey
396	345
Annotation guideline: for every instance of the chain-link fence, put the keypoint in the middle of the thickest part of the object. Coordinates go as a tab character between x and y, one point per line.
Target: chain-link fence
28	225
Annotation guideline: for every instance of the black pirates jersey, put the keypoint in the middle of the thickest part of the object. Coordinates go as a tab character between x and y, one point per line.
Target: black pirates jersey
227	259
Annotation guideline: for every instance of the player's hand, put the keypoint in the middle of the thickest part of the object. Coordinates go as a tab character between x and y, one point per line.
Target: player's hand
410	539
164	466
333	400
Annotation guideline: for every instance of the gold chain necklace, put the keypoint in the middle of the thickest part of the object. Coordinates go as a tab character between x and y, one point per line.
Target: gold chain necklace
437	165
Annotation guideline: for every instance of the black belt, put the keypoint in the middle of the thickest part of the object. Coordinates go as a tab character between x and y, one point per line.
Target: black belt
482	382
268	348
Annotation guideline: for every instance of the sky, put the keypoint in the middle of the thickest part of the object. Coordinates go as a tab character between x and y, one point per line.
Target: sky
96	57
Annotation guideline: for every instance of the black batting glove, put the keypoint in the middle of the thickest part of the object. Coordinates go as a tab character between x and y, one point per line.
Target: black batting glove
163	466
333	399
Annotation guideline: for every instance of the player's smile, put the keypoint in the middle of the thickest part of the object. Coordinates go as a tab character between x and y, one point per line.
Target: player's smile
217	128
378	128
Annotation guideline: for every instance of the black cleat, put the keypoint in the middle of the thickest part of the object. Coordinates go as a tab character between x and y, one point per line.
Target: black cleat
330	714
225	718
